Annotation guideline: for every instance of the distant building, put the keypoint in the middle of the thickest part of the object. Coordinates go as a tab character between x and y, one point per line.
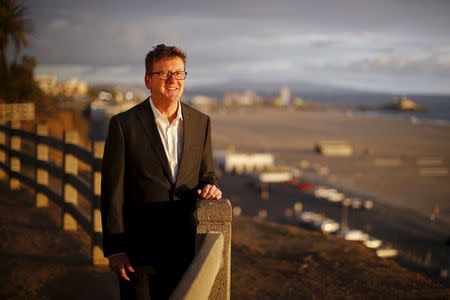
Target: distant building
203	103
243	162
247	98
405	104
200	100
48	84
285	96
75	88
70	88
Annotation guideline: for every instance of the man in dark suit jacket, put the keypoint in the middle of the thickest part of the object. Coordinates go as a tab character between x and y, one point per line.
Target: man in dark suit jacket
157	162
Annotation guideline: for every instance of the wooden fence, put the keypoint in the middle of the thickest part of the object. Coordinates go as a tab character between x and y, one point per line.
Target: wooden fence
13	158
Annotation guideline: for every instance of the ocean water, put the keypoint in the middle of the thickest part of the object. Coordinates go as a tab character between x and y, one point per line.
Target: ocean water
438	112
438	106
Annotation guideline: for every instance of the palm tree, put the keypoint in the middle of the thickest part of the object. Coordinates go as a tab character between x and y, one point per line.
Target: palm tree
13	26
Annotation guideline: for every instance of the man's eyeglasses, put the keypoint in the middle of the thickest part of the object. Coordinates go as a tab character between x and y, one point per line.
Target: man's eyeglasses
179	75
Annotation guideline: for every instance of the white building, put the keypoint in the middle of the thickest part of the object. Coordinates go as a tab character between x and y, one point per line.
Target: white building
243	162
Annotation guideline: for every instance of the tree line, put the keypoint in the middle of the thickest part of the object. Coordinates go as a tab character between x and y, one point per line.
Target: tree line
17	73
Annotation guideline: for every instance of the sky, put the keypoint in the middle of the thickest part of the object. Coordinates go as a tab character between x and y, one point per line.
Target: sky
398	46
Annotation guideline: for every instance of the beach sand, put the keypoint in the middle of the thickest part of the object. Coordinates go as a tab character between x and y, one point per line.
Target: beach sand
388	153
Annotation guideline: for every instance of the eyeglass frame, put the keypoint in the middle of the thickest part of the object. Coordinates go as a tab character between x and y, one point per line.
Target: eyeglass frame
169	74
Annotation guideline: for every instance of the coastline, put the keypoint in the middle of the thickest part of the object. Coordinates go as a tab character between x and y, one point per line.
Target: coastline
414	118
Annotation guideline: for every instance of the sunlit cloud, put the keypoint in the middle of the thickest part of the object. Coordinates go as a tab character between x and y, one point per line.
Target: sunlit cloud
56	25
319	41
64	71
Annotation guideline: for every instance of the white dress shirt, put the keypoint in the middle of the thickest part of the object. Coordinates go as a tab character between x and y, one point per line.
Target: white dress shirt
171	137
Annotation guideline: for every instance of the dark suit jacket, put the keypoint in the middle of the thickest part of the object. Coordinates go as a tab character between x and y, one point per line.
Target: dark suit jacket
140	211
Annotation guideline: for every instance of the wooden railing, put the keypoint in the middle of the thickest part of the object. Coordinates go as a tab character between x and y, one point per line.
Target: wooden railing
208	276
15	161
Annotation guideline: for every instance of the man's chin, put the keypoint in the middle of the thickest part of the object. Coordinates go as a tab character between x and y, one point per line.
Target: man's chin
173	98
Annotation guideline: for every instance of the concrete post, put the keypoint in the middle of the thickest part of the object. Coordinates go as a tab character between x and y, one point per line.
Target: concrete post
41	154
216	216
70	194
97	252
14	162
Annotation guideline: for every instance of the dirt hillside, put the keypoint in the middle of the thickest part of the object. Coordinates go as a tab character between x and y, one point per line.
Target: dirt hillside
269	261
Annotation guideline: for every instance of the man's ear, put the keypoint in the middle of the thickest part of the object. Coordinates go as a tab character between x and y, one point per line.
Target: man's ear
147	81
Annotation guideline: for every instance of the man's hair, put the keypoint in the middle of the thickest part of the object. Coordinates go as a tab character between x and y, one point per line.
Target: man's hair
160	52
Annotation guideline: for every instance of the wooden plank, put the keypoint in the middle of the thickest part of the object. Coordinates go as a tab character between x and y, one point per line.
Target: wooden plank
41	153
17	111
79	217
80	153
80	185
53	169
23	134
52	142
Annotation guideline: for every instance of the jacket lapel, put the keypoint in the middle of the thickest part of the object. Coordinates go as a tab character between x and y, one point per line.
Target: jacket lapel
147	120
188	130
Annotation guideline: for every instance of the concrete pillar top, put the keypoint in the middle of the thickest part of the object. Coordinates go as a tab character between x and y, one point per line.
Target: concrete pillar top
213	211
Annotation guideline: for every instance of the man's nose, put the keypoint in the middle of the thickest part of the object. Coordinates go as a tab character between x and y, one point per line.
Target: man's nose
171	76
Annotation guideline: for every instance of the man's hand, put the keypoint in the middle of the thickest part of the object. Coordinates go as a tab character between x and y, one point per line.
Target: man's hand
120	265
210	192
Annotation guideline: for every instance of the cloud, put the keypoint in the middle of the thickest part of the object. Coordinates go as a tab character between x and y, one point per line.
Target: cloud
321	40
64	71
403	64
56	25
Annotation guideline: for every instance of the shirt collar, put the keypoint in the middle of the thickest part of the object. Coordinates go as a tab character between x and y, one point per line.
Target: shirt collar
158	115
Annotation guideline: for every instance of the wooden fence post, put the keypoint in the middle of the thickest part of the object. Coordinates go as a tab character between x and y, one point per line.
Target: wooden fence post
97	252
70	194
14	162
41	154
3	153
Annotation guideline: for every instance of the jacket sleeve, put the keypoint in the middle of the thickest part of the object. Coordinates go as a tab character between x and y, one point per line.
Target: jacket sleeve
207	173
112	190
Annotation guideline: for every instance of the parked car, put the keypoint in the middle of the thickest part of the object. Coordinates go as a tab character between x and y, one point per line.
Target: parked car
329	226
387	252
356	203
373	243
356	235
368	204
309	217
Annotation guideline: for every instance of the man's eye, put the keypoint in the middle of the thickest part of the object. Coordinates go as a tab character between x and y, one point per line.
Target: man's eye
163	73
179	73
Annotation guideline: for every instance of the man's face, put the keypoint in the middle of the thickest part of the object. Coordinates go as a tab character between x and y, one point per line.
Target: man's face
169	90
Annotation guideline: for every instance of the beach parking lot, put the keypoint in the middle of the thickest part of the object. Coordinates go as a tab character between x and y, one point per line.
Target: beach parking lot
401	166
